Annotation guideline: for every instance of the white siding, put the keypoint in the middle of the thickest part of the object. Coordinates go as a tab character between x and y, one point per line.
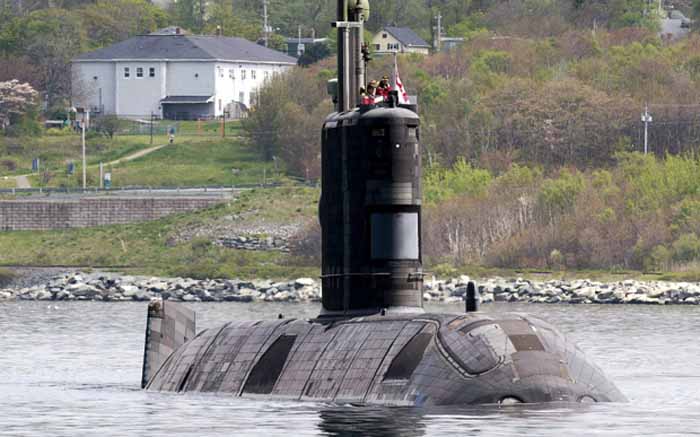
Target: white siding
93	86
138	96
229	89
389	44
191	79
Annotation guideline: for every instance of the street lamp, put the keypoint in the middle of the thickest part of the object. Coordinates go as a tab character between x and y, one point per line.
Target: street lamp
82	124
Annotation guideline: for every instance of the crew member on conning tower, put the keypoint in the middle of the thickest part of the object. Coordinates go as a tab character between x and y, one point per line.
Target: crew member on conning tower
370	96
384	88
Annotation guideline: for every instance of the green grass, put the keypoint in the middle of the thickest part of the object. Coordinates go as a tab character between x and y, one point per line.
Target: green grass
146	247
55	150
188	162
7	183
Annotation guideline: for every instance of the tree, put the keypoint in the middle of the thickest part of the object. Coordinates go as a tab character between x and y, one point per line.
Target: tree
190	13
109	125
52	37
110	21
314	53
16	99
287	119
222	17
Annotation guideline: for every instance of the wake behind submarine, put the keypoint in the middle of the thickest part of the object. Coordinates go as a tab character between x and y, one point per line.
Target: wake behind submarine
372	343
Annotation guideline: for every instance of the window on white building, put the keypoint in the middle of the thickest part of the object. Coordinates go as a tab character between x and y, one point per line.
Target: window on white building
243	74
266	74
152	72
241	97
252	74
377	47
253	98
231	73
127	73
384	35
139	72
391	46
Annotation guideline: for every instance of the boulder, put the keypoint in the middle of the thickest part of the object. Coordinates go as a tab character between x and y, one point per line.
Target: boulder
83	290
128	290
304	282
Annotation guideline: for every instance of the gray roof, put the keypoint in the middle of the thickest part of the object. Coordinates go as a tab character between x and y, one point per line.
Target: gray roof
183	47
187	99
406	36
294	40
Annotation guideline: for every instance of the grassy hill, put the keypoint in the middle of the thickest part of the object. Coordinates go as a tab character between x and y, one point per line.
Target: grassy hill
171	246
198	157
187	162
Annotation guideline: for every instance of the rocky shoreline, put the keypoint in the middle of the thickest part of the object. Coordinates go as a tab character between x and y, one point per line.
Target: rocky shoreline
111	287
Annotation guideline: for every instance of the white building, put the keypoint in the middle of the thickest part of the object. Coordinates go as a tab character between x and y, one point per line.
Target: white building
399	40
174	76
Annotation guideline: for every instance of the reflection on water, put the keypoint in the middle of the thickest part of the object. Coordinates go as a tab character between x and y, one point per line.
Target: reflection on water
363	421
70	369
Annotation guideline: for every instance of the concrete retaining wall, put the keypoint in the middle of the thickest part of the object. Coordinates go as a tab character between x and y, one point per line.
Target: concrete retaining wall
18	215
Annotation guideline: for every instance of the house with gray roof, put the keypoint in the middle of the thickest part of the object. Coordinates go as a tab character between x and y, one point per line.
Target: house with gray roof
174	76
399	40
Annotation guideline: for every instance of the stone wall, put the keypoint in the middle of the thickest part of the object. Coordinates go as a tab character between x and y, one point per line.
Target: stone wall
18	215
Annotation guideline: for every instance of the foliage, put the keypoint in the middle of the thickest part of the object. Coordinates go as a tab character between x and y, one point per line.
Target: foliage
108	125
441	184
314	53
286	121
17	103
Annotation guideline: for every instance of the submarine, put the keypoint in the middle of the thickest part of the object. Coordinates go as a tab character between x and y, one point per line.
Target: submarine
372	343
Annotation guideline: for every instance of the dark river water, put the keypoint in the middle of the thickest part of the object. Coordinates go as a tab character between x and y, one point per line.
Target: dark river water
73	369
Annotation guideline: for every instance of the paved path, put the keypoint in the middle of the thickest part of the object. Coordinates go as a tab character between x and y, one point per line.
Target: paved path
23	182
136	155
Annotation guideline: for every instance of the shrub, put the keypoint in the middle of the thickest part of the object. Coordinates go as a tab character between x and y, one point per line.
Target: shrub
8	164
686	248
307	242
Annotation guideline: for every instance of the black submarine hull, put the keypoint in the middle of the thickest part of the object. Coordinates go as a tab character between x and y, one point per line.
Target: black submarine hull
418	359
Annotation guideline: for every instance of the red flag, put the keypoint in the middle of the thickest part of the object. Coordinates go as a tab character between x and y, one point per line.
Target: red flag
398	85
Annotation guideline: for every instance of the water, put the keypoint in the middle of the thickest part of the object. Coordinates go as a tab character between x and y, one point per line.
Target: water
72	369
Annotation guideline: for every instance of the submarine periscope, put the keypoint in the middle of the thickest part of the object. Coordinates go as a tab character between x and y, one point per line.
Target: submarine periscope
373	342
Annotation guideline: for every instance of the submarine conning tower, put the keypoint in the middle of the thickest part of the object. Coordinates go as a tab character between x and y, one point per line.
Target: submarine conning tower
370	209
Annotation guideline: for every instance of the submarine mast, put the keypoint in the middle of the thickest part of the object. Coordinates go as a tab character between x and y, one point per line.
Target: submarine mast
370	209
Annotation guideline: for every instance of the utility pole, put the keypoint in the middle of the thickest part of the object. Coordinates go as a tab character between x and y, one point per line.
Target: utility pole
299	40
266	27
85	122
152	117
646	119
438	33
